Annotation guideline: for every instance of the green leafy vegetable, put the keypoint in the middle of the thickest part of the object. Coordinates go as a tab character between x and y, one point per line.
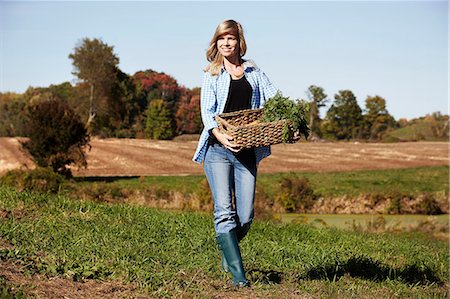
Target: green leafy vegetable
282	108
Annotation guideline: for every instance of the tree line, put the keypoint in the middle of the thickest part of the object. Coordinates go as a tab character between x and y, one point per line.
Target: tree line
151	104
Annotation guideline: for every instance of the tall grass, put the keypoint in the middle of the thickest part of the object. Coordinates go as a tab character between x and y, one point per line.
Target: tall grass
170	253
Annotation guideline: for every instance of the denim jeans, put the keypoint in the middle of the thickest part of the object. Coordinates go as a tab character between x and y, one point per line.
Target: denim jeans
231	174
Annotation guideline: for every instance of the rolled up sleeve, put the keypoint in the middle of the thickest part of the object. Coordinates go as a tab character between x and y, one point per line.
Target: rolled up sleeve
269	90
208	102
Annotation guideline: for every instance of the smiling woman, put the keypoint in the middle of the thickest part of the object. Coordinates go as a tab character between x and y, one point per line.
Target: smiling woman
230	84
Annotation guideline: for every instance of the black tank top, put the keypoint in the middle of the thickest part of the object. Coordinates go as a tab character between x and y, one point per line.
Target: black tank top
239	95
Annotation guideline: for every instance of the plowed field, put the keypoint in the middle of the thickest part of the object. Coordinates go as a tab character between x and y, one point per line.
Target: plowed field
132	157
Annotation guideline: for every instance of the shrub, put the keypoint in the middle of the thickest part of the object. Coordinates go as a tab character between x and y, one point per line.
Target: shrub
390	138
38	180
264	204
428	205
296	195
397	202
101	192
203	197
57	137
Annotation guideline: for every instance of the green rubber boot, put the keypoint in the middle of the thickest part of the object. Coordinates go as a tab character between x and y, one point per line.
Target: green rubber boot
240	234
228	243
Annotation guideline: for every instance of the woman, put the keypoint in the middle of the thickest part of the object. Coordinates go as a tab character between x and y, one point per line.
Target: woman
230	83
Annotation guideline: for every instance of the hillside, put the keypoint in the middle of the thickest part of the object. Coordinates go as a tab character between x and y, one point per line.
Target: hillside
430	128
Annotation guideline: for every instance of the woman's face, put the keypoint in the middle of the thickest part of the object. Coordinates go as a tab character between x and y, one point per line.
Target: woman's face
227	44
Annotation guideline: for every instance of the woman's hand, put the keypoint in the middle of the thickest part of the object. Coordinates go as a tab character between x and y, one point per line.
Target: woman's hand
226	140
296	136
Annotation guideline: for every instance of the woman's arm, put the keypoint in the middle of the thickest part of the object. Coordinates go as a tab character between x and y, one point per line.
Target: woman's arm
208	102
208	108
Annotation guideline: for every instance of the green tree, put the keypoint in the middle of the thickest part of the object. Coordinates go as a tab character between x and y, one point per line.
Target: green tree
122	109
95	63
377	119
57	136
344	118
317	100
159	123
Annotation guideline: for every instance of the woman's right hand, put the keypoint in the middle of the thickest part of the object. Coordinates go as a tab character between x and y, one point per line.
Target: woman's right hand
226	140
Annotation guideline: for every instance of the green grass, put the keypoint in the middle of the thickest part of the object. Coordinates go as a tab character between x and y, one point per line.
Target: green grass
354	183
332	184
170	253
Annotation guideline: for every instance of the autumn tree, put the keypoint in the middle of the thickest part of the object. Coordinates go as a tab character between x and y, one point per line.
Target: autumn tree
344	118
188	117
152	85
158	124
156	85
377	119
56	135
317	100
96	64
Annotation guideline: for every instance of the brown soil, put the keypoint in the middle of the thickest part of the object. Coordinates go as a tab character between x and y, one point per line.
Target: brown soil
39	286
140	157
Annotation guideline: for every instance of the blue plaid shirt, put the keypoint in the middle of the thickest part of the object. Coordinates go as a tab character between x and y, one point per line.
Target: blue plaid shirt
213	97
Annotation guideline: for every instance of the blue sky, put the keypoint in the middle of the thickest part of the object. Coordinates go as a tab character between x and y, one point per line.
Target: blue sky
398	50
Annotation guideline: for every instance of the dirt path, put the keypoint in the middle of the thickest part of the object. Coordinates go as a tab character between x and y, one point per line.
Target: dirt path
130	157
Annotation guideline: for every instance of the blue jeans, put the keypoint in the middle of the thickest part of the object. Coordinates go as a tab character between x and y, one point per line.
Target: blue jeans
231	174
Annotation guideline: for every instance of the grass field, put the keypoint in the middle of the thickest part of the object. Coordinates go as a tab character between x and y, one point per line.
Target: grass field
353	183
169	254
330	184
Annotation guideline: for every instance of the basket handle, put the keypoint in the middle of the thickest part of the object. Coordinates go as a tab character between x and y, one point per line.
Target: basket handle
224	123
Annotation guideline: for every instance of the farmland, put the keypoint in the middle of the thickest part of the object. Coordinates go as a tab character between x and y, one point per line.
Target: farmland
139	157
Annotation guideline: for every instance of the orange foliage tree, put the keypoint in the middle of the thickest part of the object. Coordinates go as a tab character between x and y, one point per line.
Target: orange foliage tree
188	118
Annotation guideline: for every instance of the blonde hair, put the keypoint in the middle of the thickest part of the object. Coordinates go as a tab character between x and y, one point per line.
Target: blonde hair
213	55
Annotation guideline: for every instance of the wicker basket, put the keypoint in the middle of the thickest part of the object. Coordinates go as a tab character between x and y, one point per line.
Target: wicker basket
247	132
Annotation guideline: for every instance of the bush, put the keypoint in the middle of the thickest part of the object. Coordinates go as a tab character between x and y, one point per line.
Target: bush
203	197
296	195
40	180
397	202
101	192
425	203
429	205
57	137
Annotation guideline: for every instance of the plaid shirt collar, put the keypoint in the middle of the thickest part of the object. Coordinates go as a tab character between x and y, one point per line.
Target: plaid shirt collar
248	64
